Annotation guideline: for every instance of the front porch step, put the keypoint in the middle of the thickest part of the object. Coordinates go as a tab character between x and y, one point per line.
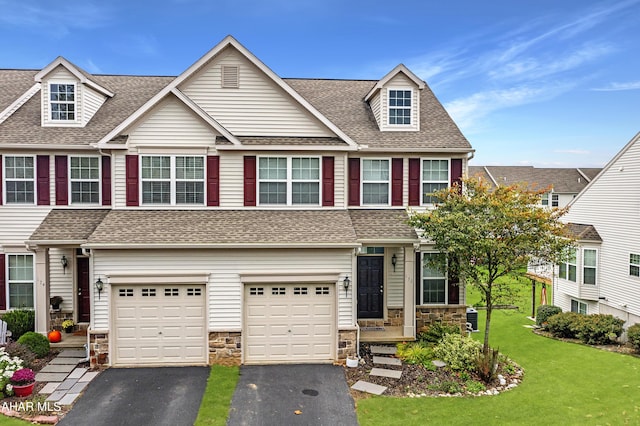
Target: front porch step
384	360
363	386
383	372
384	350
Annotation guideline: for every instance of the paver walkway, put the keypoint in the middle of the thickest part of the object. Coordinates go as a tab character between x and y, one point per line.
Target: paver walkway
365	386
65	381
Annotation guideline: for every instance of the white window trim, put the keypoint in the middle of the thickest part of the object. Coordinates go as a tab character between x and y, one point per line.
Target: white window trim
591	267
5	179
422	181
362	182
173	180
586	307
446	282
289	181
9	282
98	180
76	111
412	110
633	264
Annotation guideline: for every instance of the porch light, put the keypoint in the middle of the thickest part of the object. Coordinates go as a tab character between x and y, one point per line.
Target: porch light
99	287
394	259
345	283
64	262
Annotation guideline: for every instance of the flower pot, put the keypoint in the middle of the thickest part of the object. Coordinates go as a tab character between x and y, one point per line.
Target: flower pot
68	329
23	390
352	362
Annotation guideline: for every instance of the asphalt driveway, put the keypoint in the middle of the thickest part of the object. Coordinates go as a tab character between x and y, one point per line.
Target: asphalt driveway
272	394
141	396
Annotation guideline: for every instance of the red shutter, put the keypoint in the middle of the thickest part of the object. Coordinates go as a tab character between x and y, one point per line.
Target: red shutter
354	181
3	283
327	181
42	180
1	182
213	180
396	181
106	180
132	185
62	182
414	181
250	182
456	172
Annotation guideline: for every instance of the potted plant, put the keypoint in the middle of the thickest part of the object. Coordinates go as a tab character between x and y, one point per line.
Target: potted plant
55	302
67	325
23	381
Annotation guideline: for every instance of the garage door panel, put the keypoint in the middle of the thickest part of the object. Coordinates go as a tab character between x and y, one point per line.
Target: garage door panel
289	322
160	325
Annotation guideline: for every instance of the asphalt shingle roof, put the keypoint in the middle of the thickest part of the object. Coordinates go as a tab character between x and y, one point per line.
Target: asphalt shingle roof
563	180
69	224
584	232
382	225
219	227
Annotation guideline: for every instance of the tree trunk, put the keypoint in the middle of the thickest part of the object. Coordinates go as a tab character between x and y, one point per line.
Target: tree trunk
485	347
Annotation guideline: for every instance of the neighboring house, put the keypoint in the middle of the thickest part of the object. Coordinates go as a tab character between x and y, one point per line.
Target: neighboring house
565	183
603	274
226	215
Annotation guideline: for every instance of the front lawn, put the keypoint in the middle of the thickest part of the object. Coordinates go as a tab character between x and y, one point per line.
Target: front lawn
564	383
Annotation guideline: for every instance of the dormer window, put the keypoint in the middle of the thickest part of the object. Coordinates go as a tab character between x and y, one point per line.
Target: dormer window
62	99
400	107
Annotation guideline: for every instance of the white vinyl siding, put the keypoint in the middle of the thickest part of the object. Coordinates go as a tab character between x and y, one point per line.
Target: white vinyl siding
172	125
61	280
395	279
91	103
225	287
20	281
17	222
19	179
376	181
257	107
376	108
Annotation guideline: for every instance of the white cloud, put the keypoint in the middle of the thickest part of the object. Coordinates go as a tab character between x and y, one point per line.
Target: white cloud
613	87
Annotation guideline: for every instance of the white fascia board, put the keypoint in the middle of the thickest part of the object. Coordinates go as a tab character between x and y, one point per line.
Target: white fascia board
323	148
400	68
121	246
40	147
75	71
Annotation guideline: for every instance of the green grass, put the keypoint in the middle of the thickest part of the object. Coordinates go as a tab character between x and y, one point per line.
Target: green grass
564	384
214	408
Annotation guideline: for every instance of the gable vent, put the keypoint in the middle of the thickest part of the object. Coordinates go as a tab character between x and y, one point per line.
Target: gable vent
230	76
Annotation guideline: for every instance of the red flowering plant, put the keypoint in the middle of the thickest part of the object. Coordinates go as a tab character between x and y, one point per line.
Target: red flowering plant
24	376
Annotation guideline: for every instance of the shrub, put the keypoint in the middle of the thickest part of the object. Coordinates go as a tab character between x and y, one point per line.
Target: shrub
487	365
633	334
37	343
15	349
475	387
433	333
447	386
565	324
600	329
415	353
8	366
459	353
544	312
20	321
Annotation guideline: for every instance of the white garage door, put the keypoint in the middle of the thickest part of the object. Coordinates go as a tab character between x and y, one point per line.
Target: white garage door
159	325
289	323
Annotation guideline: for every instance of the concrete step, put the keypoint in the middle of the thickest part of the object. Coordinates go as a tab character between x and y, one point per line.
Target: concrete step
383	372
385	360
383	350
363	386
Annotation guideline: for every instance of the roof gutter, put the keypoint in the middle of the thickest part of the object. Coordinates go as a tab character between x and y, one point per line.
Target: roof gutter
160	246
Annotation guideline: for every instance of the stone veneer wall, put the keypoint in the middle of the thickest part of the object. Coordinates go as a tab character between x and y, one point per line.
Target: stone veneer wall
57	317
98	348
450	314
347	340
395	318
225	348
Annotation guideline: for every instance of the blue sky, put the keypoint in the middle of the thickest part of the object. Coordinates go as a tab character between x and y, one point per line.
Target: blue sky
546	83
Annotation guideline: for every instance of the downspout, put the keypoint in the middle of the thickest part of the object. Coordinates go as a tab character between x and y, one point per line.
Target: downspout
357	340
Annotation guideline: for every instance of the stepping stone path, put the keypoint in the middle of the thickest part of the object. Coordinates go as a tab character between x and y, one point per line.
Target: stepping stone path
65	380
365	386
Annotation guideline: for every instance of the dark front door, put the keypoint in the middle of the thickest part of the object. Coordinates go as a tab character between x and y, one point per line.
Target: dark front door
84	299
370	286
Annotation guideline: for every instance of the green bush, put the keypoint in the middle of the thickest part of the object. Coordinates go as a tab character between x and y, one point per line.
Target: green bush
633	334
15	349
475	387
544	312
415	353
36	342
433	333
565	324
20	321
600	329
459	353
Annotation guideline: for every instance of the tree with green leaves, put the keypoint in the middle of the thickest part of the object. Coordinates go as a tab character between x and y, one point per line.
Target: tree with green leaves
487	233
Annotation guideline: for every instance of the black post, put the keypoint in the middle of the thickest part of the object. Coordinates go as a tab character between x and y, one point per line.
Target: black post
533	298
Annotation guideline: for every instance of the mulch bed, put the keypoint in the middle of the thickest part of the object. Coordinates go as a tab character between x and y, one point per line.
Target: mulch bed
417	380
